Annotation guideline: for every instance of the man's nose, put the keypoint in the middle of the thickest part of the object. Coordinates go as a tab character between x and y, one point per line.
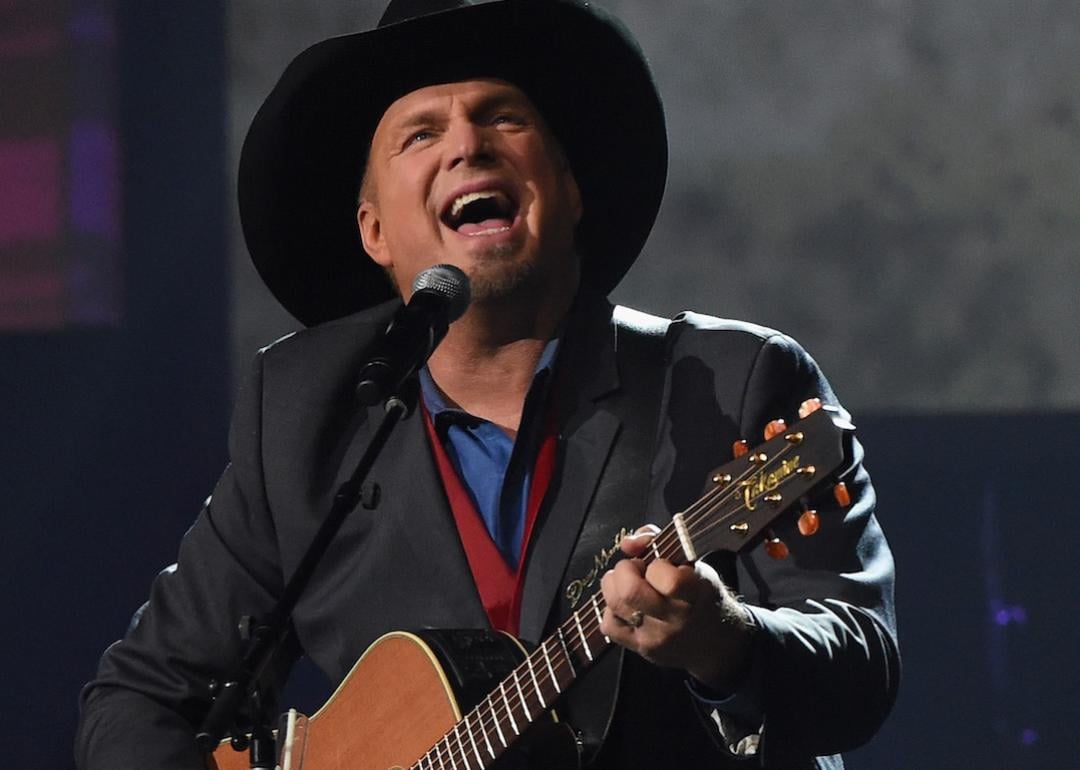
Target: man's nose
469	144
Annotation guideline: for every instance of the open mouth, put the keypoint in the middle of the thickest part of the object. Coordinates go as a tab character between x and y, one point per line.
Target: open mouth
483	212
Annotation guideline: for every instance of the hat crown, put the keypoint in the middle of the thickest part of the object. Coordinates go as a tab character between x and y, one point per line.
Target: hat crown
403	10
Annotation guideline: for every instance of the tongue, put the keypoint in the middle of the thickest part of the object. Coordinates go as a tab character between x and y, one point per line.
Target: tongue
473	228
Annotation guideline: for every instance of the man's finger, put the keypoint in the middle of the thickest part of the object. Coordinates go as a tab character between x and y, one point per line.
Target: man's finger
674	583
635	544
626	591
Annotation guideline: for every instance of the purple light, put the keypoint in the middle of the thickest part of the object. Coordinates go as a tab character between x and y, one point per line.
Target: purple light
1014	613
94	194
60	194
1028	736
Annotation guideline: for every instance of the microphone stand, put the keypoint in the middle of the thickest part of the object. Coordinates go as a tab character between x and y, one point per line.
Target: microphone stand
265	637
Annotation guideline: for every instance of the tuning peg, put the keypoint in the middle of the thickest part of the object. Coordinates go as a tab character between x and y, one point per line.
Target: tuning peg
740	448
775	547
808	407
775	428
843	497
809	522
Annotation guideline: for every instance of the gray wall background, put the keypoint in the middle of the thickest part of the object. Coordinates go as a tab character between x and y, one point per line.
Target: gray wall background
894	182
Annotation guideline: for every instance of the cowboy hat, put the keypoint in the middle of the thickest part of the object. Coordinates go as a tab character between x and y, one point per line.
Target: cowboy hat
305	153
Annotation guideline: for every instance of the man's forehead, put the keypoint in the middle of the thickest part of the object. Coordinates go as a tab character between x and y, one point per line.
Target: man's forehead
478	93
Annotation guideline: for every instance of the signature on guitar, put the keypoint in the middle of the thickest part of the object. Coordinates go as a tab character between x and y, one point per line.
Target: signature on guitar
576	589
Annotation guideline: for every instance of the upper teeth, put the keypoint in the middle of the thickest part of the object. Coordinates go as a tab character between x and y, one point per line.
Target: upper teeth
464	200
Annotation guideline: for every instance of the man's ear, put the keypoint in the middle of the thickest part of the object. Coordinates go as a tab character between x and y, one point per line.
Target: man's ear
370	225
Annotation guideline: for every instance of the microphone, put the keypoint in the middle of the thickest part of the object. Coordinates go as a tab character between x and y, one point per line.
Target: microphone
440	296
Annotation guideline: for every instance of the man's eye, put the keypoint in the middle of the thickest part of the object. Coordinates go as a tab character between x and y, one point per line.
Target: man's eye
506	118
418	136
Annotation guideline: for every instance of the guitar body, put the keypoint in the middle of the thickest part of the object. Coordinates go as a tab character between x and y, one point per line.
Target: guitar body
404	694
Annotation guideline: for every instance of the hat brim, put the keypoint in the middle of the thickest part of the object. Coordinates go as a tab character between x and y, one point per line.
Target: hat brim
304	155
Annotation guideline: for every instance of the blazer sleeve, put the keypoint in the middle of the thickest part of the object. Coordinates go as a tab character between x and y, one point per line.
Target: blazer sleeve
152	687
828	653
826	662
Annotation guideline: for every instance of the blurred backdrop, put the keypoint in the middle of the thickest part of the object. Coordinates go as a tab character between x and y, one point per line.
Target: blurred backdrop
893	182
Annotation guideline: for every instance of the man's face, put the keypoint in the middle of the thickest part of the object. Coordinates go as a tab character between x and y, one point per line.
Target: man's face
468	174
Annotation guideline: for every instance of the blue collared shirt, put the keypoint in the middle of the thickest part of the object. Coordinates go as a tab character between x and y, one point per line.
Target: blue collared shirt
495	468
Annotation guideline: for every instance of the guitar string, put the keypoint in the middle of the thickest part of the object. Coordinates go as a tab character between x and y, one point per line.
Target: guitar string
703	508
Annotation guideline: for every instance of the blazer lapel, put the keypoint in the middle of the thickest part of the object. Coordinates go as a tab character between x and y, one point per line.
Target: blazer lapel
413	506
586	374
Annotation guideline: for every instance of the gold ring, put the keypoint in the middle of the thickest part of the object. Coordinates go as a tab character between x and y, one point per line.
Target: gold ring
637	617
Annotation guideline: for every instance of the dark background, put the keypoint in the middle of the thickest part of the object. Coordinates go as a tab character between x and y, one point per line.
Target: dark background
111	437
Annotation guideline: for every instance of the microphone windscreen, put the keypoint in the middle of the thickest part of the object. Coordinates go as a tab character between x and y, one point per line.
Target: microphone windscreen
446	281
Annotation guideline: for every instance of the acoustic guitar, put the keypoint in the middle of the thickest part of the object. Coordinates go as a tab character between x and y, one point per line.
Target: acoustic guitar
462	699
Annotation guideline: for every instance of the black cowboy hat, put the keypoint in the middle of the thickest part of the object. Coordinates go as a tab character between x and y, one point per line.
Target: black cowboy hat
304	156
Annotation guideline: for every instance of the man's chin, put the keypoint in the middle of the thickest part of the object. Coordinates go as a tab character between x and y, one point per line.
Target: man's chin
503	273
503	282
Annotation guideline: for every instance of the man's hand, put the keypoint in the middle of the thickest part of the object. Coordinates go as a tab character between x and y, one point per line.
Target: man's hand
682	617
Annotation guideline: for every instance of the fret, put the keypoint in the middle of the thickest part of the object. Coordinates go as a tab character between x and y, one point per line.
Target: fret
439	754
536	685
584	639
599	615
495	716
461	745
524	705
509	710
551	669
483	731
472	740
566	652
663	541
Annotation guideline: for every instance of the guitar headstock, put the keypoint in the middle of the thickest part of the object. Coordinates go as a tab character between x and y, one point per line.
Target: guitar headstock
744	496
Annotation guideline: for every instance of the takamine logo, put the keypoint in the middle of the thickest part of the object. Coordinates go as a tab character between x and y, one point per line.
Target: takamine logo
762	483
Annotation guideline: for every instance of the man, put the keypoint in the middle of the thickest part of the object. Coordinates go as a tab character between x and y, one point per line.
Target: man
523	142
